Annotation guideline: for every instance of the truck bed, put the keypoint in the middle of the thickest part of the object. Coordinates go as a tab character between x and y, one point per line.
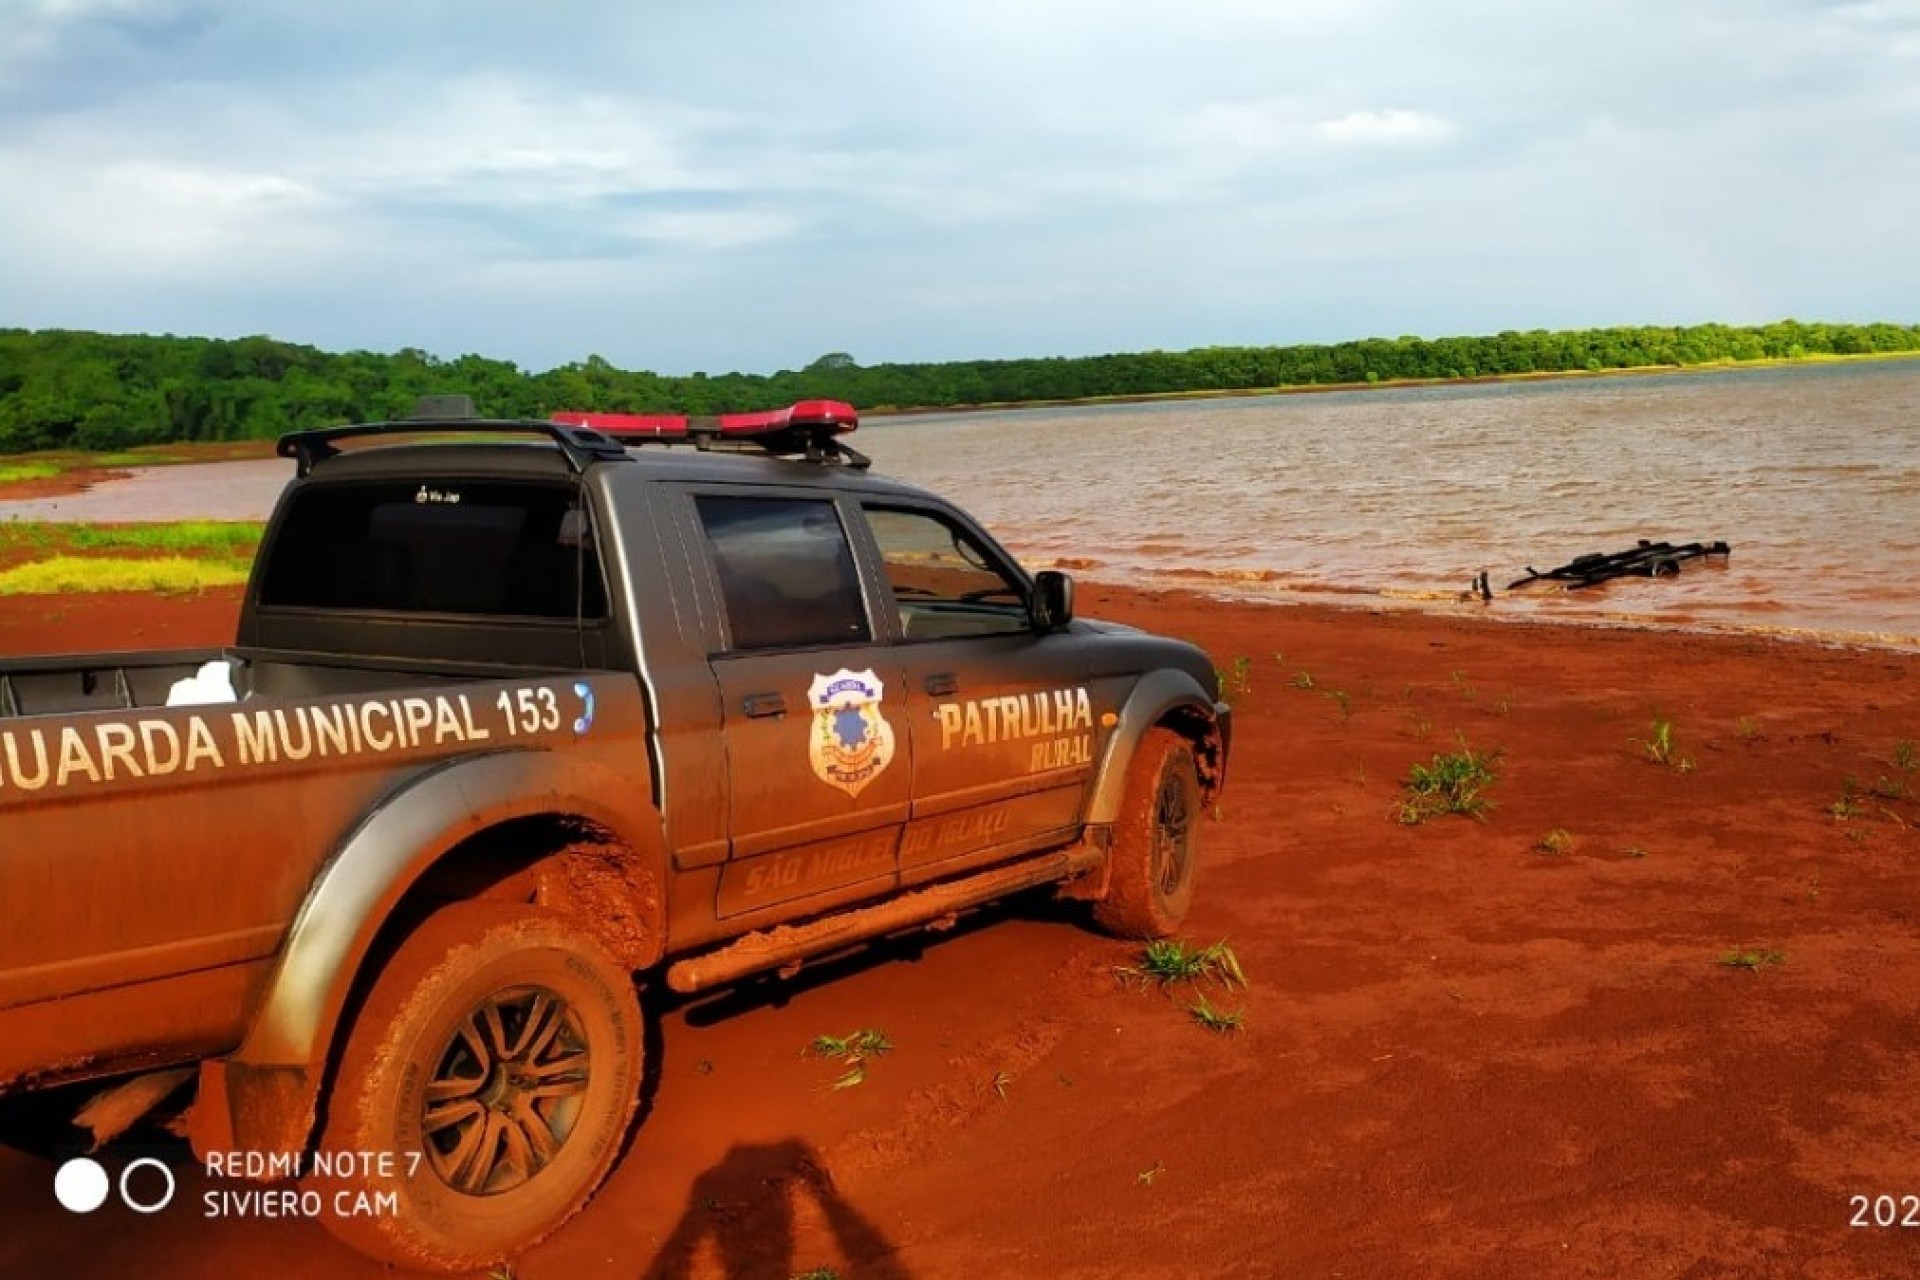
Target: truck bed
70	684
96	682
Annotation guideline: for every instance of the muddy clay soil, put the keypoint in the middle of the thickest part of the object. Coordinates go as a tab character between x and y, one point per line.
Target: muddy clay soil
1507	1048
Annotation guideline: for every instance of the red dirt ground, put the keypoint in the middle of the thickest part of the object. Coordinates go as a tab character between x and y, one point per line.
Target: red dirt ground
78	480
1463	1056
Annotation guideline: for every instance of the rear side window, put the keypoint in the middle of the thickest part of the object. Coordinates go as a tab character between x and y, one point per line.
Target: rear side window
785	571
484	548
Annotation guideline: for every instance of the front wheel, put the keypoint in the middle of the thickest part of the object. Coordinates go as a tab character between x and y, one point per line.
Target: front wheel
1155	854
497	1059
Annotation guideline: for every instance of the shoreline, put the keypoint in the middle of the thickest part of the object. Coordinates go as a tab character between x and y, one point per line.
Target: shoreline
1465	607
194	608
1403	384
207	616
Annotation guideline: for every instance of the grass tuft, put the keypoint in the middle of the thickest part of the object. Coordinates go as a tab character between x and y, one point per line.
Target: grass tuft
1848	805
1169	960
1750	960
1220	1021
1236	678
1660	749
856	1051
1452	783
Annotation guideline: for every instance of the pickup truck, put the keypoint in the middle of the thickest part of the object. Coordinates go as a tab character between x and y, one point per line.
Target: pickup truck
516	729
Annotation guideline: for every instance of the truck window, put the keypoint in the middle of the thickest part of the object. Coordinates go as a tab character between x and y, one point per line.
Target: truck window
785	570
945	582
448	546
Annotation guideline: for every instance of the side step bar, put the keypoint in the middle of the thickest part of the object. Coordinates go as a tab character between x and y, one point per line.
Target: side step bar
788	945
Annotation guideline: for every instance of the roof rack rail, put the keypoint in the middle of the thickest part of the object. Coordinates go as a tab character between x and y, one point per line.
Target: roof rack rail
809	429
580	445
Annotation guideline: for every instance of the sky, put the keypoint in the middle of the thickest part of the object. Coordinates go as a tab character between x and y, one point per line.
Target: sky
721	185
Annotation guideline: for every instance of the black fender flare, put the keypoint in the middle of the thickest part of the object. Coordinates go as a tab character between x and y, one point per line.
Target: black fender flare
1161	694
264	1095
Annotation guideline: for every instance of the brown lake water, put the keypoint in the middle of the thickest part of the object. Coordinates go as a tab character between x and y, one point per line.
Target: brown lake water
1397	498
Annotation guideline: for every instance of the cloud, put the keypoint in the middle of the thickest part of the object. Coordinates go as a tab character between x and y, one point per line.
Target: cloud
1389	125
986	178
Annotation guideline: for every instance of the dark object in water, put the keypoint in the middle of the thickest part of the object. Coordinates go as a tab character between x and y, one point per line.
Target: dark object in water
1646	560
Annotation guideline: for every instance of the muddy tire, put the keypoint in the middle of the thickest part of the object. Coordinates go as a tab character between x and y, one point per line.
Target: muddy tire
1155	855
497	1057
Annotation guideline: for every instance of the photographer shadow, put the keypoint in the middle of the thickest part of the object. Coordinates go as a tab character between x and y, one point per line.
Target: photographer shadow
746	1213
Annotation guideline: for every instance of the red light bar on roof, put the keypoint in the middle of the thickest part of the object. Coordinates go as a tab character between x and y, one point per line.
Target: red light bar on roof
665	426
809	429
829	417
806	418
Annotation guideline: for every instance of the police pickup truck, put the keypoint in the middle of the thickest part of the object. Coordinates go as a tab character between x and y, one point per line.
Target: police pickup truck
508	722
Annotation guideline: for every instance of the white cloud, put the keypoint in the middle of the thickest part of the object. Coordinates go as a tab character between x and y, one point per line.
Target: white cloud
722	230
1389	125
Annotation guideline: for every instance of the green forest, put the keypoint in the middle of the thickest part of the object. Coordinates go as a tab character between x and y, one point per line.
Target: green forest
62	389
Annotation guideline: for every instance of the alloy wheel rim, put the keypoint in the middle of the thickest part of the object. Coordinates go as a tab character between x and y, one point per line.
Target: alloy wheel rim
1172	830
507	1092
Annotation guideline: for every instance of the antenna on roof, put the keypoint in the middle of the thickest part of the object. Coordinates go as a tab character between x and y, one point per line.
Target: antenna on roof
436	408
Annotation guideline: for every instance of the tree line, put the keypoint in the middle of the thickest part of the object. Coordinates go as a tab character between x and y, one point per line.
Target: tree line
66	389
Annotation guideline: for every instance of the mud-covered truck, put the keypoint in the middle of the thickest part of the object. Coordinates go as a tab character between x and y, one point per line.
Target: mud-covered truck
514	729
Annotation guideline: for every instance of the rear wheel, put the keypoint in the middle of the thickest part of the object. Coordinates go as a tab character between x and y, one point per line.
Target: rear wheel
1155	855
497	1058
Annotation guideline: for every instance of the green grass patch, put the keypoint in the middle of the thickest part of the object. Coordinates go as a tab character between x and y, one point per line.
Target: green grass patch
1659	748
1751	960
224	538
16	472
1169	960
1451	783
856	1051
1236	679
132	459
62	575
1221	1021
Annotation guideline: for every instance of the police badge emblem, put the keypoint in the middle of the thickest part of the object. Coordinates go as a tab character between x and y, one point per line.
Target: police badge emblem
851	743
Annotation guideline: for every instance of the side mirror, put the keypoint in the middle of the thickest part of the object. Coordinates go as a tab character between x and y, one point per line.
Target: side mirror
1052	605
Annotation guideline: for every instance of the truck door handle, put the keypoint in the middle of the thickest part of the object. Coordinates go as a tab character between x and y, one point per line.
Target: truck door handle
942	683
757	705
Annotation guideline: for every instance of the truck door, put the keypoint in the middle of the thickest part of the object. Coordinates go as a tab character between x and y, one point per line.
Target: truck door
814	710
1004	722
